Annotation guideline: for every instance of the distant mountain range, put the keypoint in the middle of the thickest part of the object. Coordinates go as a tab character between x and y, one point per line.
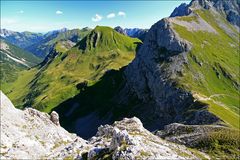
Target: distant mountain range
41	44
21	39
132	32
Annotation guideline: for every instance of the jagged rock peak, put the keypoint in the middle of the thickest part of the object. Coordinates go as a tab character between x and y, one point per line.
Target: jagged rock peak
228	8
120	30
163	35
182	10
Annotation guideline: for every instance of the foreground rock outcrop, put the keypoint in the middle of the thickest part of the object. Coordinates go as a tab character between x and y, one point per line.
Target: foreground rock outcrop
31	134
128	139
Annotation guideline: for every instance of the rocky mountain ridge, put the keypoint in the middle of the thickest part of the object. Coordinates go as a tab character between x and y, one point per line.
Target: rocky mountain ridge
228	8
149	78
21	39
153	76
31	134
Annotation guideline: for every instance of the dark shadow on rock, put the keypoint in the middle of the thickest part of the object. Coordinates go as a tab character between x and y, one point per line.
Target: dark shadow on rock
93	106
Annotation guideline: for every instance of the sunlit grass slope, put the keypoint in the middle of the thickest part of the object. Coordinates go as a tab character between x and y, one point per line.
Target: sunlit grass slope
212	74
103	49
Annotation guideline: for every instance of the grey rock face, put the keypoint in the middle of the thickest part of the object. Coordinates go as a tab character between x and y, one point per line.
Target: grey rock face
229	8
206	4
31	134
233	18
182	10
120	137
128	139
120	30
105	130
150	77
94	152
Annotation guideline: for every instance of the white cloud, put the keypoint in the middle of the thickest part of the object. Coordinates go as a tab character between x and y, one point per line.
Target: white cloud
120	13
111	15
59	12
97	18
21	11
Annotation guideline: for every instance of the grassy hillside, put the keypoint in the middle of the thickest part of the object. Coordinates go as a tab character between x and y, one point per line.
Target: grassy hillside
13	60
103	49
105	38
212	74
18	89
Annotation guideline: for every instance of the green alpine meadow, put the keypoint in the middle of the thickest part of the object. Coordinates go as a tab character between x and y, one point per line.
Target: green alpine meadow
166	89
57	79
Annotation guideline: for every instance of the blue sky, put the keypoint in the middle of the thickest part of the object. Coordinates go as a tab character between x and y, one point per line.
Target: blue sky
43	16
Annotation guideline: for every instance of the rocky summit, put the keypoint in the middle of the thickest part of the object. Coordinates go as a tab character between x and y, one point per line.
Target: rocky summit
30	134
